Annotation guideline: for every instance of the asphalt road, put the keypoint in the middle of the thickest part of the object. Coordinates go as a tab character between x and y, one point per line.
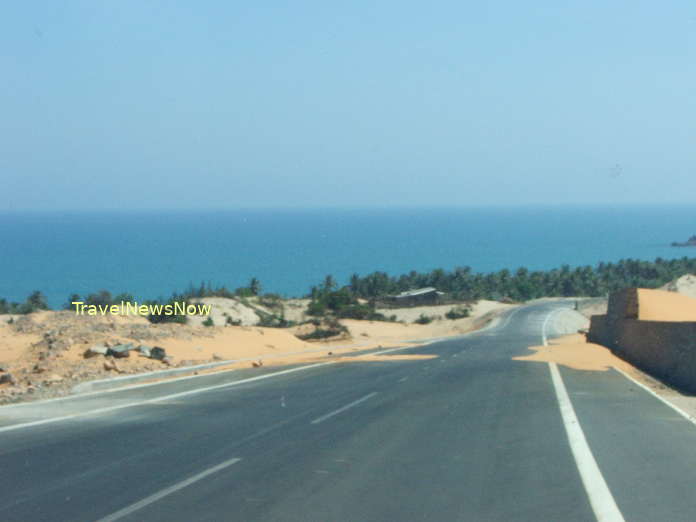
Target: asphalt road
468	435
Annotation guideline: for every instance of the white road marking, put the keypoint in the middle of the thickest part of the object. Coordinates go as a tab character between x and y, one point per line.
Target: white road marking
507	319
403	379
163	398
109	409
601	499
344	408
544	339
676	408
167	491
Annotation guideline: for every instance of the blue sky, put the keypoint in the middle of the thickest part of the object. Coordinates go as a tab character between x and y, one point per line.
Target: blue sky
229	104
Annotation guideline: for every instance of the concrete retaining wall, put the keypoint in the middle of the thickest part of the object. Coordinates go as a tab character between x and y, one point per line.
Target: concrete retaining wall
665	349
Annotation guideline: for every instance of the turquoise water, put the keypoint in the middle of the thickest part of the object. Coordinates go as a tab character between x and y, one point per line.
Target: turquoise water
153	254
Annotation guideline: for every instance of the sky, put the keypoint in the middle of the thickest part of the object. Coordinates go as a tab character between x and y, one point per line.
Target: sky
234	104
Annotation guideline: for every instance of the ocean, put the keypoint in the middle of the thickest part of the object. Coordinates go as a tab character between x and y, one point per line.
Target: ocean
152	254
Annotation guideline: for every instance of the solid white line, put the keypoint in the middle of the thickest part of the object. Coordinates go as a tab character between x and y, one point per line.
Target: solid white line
172	396
166	491
344	408
601	499
507	319
544	339
676	408
163	398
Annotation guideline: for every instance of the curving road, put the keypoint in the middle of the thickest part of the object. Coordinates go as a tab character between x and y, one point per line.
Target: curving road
469	435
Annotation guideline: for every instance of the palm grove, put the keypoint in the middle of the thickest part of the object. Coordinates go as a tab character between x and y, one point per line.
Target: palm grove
461	284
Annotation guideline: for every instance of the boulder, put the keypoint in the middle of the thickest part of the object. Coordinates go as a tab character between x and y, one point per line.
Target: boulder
158	353
110	365
7	378
98	349
145	351
120	351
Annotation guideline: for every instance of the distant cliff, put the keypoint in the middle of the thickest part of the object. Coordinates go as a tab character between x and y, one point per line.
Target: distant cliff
689	242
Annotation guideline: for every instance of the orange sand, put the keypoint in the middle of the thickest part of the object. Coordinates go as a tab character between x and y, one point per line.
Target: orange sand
574	352
660	305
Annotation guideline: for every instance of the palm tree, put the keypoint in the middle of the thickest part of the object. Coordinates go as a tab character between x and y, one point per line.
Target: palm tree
255	286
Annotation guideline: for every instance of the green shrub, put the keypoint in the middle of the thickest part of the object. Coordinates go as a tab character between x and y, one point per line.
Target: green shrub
423	319
208	322
164	318
458	312
324	329
360	311
232	322
272	320
317	308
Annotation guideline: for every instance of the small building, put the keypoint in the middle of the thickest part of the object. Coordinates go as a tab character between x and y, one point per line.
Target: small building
420	297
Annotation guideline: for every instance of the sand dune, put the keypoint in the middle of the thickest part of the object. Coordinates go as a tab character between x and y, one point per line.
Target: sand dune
660	305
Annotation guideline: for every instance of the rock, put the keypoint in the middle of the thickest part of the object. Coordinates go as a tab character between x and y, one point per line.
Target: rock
257	364
39	368
145	351
97	349
168	360
54	377
120	351
110	365
158	353
217	357
7	378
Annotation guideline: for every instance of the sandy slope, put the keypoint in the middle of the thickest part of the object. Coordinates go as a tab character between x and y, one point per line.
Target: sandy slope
685	285
660	305
45	351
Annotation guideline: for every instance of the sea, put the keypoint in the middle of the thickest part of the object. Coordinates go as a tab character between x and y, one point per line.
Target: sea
152	254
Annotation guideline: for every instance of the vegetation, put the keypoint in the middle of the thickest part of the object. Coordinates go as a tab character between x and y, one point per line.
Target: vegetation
272	320
208	322
458	312
34	302
324	329
101	298
164	318
232	322
207	290
423	319
461	284
521	285
340	303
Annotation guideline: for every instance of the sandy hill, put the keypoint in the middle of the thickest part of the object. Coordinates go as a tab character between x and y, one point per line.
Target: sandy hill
661	305
686	285
45	354
248	311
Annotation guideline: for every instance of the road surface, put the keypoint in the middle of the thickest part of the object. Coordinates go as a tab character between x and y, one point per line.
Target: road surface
468	435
